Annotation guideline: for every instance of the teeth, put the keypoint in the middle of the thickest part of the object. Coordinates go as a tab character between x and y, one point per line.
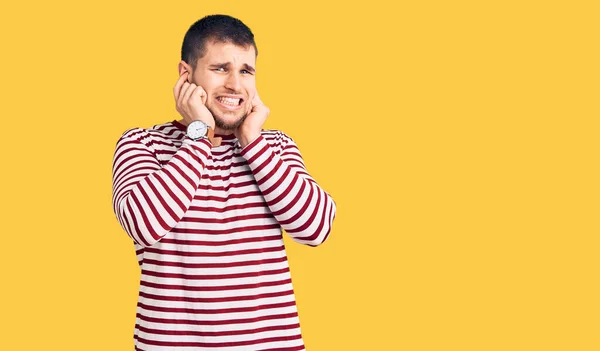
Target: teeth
229	101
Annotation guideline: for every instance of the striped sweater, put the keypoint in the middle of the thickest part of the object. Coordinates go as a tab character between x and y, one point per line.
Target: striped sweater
206	224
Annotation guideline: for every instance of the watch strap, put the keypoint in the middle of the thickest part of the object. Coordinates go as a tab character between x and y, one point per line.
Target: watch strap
215	141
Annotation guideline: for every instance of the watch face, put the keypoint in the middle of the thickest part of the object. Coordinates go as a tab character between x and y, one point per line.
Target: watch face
196	130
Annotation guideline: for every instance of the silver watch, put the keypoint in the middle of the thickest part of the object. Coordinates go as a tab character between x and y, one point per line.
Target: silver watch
197	130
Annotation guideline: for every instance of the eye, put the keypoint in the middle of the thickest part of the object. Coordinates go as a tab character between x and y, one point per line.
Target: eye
220	69
245	71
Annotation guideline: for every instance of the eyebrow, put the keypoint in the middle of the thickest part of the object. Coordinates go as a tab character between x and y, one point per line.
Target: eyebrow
227	64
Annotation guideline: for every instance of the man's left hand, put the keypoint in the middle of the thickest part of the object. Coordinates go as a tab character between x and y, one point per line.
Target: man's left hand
252	125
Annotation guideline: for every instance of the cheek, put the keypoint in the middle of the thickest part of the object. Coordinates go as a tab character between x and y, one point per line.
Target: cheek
207	83
249	85
251	93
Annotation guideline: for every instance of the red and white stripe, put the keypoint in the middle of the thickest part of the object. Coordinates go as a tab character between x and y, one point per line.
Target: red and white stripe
207	228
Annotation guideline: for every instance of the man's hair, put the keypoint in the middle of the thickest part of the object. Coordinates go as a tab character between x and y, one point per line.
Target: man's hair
214	28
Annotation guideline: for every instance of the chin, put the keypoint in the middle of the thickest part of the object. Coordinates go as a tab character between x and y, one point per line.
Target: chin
229	122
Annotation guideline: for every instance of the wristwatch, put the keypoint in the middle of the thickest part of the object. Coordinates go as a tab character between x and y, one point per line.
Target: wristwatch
197	130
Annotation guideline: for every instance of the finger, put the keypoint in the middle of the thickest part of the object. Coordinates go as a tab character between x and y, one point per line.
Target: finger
190	90
256	100
184	88
179	84
202	93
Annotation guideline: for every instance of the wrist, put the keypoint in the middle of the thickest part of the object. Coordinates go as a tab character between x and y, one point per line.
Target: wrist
198	130
246	139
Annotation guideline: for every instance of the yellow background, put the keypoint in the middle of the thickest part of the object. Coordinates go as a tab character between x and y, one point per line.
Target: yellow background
459	140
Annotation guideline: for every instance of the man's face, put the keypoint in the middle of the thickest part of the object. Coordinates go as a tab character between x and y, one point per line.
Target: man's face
227	74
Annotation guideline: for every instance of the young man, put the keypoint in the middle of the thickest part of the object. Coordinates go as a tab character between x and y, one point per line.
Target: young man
205	200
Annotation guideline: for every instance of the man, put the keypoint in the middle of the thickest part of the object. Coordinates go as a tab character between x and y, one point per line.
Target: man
205	200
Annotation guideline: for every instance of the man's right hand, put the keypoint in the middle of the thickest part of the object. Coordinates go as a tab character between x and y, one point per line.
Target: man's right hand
190	101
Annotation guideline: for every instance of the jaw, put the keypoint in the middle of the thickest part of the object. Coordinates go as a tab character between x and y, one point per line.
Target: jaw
227	120
228	126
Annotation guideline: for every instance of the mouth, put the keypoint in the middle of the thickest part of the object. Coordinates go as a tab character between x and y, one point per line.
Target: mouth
230	102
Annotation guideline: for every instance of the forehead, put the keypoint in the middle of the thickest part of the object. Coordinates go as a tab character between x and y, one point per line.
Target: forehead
217	52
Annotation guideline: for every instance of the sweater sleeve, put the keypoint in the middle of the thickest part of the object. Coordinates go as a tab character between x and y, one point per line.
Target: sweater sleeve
149	199
303	209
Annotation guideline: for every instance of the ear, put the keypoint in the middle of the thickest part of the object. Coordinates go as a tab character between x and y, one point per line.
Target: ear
184	67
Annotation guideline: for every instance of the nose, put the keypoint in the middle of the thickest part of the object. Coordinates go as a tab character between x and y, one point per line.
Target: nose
233	82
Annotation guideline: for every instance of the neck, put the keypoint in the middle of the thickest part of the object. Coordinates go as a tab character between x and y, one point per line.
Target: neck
220	131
